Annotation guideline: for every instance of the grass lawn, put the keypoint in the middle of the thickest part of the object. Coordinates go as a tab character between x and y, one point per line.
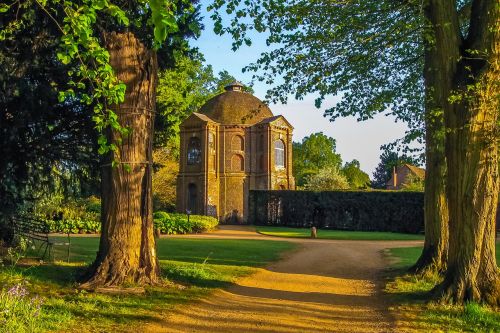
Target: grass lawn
411	295
195	265
335	234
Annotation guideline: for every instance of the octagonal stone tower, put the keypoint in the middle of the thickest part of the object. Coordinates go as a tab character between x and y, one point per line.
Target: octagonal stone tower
233	145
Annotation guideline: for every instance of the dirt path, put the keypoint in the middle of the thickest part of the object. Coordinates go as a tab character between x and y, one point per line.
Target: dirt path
323	286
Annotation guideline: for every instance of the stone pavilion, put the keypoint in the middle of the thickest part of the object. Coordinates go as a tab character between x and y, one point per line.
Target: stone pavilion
232	145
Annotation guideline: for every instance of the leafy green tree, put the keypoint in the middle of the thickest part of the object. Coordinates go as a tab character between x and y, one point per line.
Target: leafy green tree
434	64
314	153
47	146
413	184
181	91
113	50
357	178
165	179
329	178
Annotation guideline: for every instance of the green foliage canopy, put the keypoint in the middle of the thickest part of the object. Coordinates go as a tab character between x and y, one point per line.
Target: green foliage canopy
370	53
91	79
327	179
315	152
47	146
357	178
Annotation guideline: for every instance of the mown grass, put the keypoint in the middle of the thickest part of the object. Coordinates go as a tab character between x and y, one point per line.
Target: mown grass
193	266
335	234
415	309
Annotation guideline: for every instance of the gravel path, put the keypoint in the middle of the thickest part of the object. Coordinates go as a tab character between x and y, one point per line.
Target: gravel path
323	286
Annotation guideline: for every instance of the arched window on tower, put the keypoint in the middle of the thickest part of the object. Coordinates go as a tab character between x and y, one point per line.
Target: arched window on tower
279	154
237	163
194	151
238	143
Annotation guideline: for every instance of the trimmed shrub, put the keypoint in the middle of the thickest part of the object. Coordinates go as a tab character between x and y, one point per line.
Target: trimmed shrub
172	224
394	211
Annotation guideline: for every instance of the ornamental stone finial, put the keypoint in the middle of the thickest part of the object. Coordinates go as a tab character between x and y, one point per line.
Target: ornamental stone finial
234	86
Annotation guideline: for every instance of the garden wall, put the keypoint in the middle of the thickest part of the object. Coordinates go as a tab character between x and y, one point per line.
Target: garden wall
346	210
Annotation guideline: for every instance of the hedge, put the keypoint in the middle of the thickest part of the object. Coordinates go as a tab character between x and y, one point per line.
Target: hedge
346	210
167	223
173	223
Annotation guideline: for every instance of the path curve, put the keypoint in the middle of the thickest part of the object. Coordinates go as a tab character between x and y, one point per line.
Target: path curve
323	286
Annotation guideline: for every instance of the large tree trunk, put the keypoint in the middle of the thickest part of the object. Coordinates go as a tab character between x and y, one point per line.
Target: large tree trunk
471	148
127	251
435	252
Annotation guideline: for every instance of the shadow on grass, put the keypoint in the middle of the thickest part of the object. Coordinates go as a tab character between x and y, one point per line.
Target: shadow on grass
403	288
63	275
202	275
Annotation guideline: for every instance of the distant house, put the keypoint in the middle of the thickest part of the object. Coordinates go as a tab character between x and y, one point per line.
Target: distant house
404	174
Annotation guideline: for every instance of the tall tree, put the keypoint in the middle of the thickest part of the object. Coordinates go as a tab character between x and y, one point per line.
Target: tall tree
370	53
46	144
315	152
379	55
117	59
127	250
466	72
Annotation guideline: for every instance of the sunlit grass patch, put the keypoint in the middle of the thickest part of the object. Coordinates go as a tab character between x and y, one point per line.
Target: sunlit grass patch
193	267
414	308
335	234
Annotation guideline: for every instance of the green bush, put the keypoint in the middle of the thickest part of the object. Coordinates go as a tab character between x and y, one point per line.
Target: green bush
69	216
83	216
172	224
73	226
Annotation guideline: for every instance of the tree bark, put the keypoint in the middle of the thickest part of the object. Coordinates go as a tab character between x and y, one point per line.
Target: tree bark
471	148
435	252
127	250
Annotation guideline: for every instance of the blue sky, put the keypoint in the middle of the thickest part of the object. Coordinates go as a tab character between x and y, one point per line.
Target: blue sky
355	140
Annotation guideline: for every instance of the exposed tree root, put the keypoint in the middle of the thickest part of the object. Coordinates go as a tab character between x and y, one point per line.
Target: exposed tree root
460	291
429	262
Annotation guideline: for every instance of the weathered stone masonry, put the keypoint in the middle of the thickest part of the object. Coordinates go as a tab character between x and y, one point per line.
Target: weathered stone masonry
233	145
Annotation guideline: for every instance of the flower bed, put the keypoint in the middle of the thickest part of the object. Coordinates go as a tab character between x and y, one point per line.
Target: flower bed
19	312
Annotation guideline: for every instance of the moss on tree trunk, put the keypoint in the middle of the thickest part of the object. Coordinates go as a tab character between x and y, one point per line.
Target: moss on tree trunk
127	250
